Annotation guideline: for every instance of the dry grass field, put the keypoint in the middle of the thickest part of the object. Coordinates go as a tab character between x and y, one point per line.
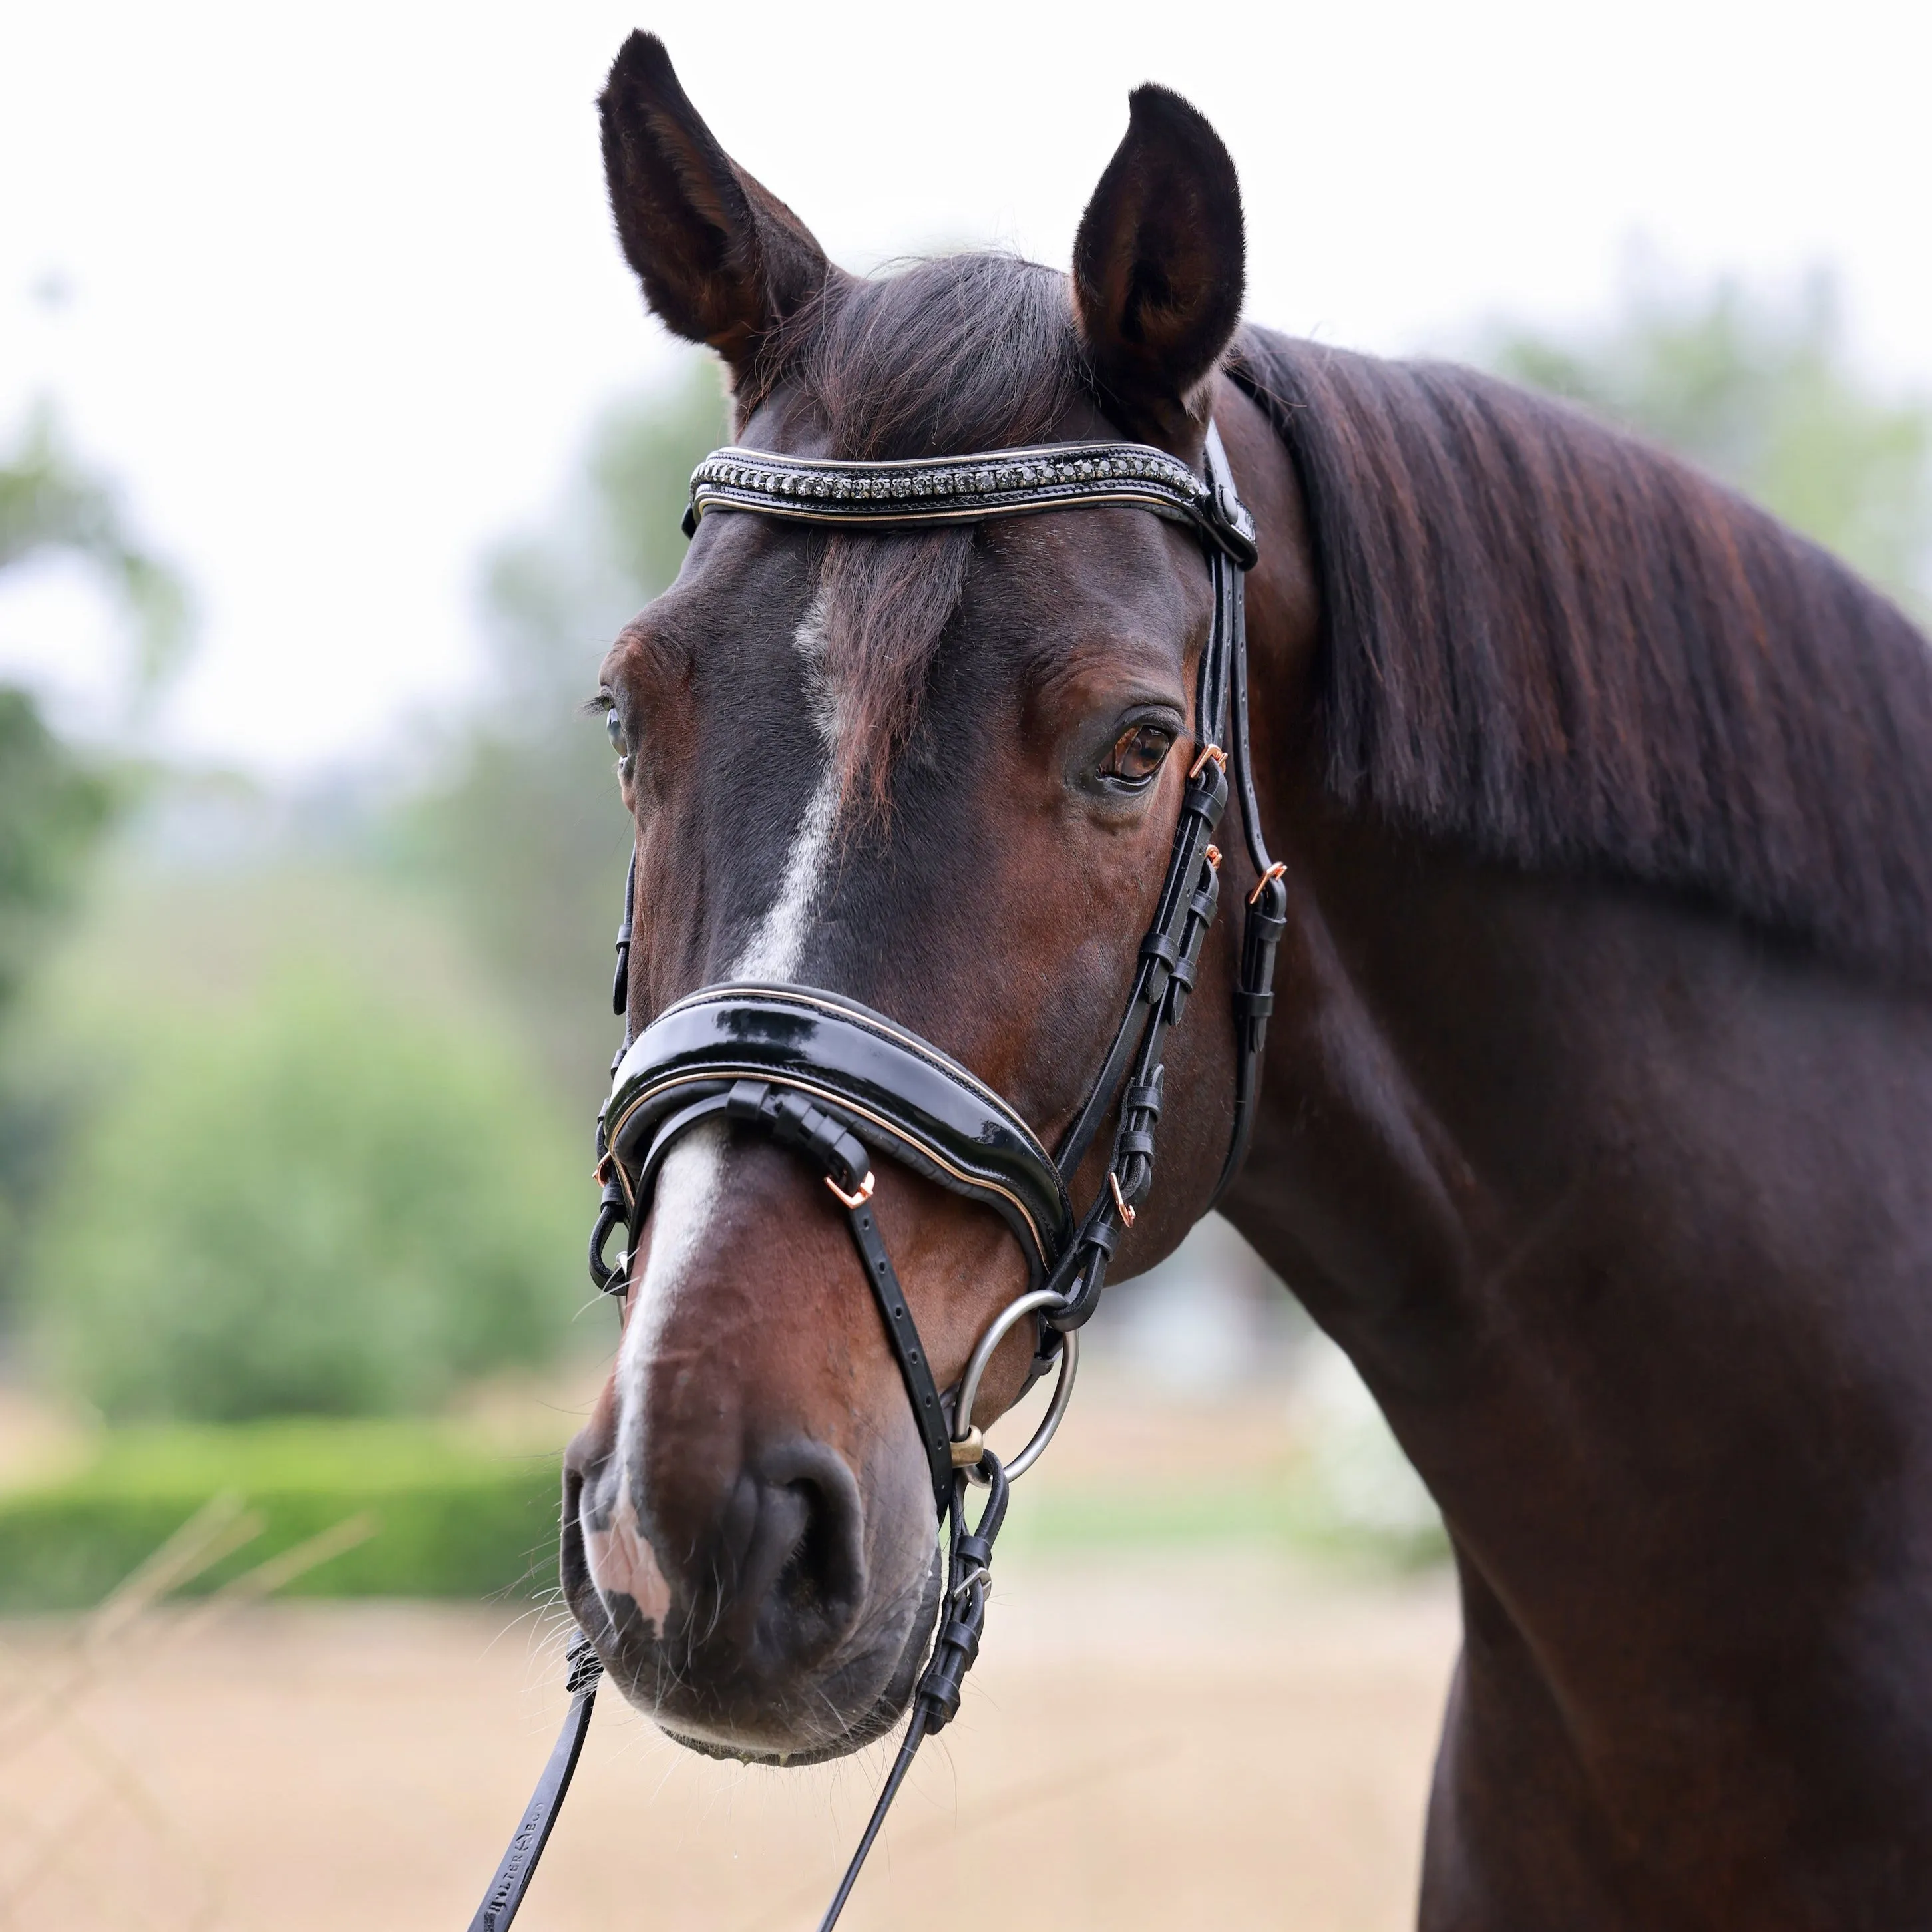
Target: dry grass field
1188	1731
1226	1742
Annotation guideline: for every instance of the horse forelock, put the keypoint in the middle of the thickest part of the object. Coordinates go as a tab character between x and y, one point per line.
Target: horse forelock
948	357
1556	646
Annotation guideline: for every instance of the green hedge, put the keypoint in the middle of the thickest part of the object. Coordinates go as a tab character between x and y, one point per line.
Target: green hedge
453	1517
457	1516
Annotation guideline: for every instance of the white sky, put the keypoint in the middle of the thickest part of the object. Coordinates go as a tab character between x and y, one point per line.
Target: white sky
343	292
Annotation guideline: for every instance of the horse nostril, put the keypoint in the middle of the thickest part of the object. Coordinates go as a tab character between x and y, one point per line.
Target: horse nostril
806	1571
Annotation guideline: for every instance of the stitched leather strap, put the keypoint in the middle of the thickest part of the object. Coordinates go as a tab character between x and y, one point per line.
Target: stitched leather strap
620	980
1266	920
533	1833
928	1411
1172	944
795	1122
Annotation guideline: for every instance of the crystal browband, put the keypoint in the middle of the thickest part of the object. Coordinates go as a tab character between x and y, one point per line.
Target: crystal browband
968	489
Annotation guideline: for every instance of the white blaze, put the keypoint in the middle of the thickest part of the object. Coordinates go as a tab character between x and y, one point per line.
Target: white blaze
779	944
690	1183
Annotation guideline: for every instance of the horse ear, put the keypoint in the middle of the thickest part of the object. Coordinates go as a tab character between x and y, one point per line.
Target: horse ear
1159	266
722	260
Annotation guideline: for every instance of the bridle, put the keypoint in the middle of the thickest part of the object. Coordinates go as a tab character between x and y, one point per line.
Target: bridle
840	1084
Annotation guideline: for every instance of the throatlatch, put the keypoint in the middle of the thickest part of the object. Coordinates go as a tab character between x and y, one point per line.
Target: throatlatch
842	1085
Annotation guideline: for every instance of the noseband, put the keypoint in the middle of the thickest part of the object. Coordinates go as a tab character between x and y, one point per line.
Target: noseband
841	1085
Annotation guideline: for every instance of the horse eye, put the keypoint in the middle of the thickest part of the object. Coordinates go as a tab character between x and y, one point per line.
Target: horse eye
1137	754
614	726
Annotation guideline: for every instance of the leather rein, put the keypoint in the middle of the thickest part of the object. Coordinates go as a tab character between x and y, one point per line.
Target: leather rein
840	1084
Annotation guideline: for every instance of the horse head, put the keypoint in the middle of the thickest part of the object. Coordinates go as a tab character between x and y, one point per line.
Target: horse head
936	772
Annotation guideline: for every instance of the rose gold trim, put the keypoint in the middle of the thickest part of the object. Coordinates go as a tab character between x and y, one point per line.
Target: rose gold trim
1120	1199
1208	751
1214	856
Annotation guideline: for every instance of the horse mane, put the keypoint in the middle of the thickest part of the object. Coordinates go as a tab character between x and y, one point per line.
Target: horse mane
1559	648
1544	642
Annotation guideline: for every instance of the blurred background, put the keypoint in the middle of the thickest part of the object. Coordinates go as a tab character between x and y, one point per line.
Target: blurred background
335	446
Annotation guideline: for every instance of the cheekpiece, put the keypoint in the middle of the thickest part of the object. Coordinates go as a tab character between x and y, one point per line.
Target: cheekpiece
926	491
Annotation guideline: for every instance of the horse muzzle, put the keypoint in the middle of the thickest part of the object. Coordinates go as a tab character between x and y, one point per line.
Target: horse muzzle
783	1628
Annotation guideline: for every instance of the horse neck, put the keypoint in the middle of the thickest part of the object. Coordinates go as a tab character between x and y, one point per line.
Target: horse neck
1565	1165
1618	1205
1560	1162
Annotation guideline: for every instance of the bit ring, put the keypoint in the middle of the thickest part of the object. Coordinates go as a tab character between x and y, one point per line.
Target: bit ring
963	1430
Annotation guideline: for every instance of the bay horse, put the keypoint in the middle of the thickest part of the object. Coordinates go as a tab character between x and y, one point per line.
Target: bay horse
1598	1093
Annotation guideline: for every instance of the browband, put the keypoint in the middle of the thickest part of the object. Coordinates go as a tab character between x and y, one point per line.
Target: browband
921	492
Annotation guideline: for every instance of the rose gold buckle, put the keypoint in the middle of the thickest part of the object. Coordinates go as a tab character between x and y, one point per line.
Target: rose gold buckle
1120	1199
1267	879
857	1200
1214	857
1208	751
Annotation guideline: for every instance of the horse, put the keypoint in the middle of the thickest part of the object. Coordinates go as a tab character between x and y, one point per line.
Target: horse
1598	1087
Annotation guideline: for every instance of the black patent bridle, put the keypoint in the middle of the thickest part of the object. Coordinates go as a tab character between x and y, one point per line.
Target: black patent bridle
838	1083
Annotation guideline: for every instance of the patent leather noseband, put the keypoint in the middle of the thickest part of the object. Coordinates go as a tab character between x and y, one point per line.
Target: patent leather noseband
838	1081
843	1086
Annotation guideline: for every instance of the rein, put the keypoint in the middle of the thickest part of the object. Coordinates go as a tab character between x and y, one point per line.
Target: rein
838	1083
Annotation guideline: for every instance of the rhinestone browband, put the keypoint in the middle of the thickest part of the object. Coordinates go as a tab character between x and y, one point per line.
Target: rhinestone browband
965	489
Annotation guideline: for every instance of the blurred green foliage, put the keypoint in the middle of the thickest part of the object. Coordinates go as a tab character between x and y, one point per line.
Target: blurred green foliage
308	1198
453	1515
1765	395
50	501
52	807
525	828
55	802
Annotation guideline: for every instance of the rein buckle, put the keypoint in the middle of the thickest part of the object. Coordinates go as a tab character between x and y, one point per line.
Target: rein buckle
857	1200
1267	879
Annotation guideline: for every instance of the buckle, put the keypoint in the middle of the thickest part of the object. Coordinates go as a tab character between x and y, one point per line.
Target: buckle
1267	879
857	1200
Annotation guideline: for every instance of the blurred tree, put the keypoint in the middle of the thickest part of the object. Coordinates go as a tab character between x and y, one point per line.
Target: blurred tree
49	502
51	808
1765	394
308	1200
54	804
526	827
